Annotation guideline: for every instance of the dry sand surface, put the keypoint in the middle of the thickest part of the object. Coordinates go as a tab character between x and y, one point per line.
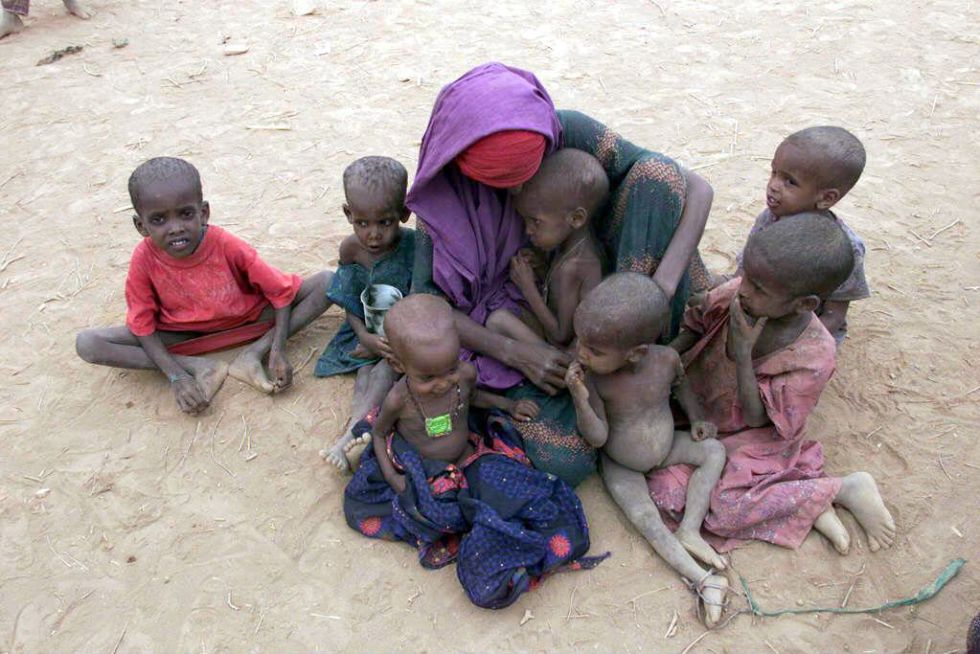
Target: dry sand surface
126	526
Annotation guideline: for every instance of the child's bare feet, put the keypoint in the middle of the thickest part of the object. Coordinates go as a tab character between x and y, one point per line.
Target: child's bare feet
698	547
209	374
828	523
335	454
247	367
10	23
859	495
711	595
355	449
77	10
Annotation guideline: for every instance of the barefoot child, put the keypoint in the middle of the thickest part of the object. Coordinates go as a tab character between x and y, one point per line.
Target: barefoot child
432	482
811	171
380	251
194	288
621	386
557	205
11	22
758	358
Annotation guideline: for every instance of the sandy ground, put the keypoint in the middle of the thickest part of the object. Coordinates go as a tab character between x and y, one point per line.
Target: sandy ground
162	533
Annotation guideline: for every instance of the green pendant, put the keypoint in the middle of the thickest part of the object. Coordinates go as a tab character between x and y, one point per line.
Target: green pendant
439	425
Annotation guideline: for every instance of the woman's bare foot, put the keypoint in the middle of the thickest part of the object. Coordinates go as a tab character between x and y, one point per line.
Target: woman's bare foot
698	547
335	454
711	595
10	23
76	10
247	367
828	523
208	373
859	495
355	448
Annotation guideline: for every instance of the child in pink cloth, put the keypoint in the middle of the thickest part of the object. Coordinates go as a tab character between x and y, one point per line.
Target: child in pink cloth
758	358
192	289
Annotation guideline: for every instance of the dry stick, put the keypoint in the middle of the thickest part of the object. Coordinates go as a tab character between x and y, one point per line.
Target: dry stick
672	627
119	642
657	5
649	592
306	360
244	433
770	646
695	642
943	229
882	622
213	457
943	466
5	260
183	458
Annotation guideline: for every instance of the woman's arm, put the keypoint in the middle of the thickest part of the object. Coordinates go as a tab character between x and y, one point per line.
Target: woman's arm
687	235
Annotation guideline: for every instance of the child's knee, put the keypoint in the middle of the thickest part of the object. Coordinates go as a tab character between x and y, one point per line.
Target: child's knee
714	452
87	345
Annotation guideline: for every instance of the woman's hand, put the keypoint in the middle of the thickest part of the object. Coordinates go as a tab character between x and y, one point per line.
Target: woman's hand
542	364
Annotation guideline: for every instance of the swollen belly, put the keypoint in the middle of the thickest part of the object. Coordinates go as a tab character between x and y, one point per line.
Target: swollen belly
643	442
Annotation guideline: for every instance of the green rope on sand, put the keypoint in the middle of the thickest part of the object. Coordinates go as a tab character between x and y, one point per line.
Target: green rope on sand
926	593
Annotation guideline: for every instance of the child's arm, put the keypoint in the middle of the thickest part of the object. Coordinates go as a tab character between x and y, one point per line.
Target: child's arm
374	344
387	416
684	341
522	410
744	337
190	396
589	411
833	313
568	287
700	428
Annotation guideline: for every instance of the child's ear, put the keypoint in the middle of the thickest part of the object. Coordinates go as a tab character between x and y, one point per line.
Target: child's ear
827	198
406	214
807	303
637	354
138	224
577	217
205	212
347	213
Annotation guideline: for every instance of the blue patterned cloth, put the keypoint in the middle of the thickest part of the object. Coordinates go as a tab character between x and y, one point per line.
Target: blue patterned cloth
506	524
345	291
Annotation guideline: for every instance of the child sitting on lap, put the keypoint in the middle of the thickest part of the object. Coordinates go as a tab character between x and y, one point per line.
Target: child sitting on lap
758	358
380	251
194	288
557	205
432	482
621	385
811	171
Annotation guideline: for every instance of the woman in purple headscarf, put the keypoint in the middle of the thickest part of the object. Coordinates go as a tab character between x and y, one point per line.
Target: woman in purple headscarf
487	135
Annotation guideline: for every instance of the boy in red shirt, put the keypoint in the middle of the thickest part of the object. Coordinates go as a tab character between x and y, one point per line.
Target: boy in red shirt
194	288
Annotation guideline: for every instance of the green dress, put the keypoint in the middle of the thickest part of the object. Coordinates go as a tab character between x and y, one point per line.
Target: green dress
647	191
348	282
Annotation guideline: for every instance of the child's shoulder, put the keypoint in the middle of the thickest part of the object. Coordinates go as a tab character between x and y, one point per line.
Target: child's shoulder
350	250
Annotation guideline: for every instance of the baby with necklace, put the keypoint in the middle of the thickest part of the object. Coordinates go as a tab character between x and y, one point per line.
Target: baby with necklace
429	406
557	205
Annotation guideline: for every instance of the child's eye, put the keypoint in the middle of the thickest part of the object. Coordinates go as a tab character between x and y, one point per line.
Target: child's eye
386	223
187	213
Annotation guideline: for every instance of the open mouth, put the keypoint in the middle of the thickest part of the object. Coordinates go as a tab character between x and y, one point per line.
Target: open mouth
771	201
179	243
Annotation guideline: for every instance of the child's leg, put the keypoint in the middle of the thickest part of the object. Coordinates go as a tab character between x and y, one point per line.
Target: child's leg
311	301
507	324
859	495
372	385
10	23
709	457
117	347
75	9
629	490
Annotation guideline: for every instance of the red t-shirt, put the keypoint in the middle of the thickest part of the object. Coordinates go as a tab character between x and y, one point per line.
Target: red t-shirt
222	285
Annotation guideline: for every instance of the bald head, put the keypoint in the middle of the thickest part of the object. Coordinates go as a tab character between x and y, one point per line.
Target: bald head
376	177
808	254
836	156
418	322
625	310
569	179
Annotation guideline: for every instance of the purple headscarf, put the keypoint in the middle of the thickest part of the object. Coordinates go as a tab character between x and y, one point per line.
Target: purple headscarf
474	228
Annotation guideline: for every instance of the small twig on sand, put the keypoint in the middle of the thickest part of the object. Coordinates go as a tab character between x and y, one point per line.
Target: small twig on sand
847	595
231	604
672	627
882	622
306	360
213	457
943	466
241	445
119	642
695	642
6	260
657	5
183	458
649	592
943	229
769	645
873	432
